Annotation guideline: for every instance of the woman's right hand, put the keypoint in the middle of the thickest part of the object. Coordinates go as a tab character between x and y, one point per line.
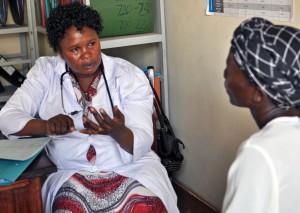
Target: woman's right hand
59	125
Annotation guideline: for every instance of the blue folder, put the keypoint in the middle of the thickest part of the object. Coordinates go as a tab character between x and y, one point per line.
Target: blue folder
11	167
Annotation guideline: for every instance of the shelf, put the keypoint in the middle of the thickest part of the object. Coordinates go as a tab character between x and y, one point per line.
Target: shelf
26	61
9	90
129	40
13	28
123	41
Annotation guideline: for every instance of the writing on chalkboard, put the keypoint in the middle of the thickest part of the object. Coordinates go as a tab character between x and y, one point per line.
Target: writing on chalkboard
123	17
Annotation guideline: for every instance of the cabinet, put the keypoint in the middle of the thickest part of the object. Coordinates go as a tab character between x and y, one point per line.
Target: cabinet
143	50
26	56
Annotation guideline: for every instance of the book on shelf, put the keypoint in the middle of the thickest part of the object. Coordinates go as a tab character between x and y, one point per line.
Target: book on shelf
44	8
17	155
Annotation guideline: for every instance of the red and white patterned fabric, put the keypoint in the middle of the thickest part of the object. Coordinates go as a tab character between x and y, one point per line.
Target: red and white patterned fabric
105	192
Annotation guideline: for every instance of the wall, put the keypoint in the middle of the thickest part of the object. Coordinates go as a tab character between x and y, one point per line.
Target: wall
212	129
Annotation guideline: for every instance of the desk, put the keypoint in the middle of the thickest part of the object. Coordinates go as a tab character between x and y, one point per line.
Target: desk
24	195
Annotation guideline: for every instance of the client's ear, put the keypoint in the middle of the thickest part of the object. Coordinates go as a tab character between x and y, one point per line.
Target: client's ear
258	96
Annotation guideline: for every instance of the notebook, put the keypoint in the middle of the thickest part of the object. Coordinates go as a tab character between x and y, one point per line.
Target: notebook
17	155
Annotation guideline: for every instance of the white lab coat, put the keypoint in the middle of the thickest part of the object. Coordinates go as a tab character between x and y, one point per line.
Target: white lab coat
40	95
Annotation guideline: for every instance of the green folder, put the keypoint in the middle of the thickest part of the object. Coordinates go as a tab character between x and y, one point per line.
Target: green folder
17	155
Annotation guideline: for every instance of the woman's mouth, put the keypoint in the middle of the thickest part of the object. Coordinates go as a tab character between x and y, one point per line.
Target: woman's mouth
88	66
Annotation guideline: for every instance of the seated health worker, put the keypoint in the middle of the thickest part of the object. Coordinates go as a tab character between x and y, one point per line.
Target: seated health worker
98	111
263	75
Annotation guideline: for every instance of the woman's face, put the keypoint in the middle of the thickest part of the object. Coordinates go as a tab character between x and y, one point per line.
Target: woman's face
81	50
238	87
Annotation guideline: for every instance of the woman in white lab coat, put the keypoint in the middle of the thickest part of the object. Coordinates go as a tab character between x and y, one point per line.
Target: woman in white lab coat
98	111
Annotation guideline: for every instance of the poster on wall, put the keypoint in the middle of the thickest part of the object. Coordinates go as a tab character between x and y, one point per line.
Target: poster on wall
277	10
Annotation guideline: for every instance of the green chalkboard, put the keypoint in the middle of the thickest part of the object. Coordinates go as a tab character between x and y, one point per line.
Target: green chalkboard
125	17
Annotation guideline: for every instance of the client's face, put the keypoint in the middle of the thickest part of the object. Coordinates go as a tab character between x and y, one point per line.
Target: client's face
81	50
236	83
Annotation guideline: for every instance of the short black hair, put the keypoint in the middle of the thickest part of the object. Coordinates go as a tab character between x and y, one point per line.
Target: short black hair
65	16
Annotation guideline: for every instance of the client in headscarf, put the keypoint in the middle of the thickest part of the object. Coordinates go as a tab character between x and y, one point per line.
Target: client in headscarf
263	74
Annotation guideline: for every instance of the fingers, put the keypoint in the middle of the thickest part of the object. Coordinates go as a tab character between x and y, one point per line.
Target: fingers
106	118
117	112
96	115
93	127
89	131
104	124
59	125
102	119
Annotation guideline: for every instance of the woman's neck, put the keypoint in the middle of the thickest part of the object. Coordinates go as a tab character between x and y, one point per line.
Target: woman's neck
264	116
85	81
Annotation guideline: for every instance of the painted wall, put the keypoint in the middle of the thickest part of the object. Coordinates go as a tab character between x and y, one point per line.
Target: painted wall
212	129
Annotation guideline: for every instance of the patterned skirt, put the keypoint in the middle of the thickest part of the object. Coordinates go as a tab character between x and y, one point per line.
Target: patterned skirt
105	192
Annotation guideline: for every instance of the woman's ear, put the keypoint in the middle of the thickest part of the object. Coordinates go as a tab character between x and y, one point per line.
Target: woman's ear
61	55
258	95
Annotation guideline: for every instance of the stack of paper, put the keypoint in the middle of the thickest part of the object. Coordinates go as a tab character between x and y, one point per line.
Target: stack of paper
17	155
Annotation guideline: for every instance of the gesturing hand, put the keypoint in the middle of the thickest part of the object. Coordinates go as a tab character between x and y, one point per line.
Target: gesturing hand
59	125
107	126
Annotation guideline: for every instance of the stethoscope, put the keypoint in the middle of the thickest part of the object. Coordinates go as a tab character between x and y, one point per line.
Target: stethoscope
61	89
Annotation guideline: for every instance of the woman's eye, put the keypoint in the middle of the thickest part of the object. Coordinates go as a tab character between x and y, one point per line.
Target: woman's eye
92	43
75	50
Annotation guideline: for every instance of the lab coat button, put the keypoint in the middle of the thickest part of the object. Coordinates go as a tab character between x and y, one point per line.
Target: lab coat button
90	139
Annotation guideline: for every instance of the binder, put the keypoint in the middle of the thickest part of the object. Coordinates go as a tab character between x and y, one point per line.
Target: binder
11	74
17	11
17	155
43	14
38	11
3	12
52	3
157	84
47	9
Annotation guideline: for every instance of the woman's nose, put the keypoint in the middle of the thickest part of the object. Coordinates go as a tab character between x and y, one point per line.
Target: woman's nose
86	53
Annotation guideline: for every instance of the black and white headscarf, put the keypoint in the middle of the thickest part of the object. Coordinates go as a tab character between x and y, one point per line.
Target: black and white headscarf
270	55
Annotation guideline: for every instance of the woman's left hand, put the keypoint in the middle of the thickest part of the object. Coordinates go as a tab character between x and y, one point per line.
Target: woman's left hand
107	126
